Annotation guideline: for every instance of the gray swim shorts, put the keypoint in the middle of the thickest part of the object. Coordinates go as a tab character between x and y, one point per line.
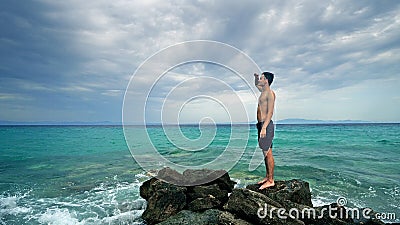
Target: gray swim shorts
266	142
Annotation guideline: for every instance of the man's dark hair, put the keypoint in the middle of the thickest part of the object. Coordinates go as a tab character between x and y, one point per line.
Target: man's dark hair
269	76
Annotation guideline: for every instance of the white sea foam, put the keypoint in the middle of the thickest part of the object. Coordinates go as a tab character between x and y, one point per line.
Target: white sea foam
117	203
58	217
321	201
8	205
142	176
69	217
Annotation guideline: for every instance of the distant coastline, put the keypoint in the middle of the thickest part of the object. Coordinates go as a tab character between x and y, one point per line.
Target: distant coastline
305	121
290	121
56	123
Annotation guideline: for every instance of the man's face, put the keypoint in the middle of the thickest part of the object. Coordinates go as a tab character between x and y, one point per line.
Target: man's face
263	80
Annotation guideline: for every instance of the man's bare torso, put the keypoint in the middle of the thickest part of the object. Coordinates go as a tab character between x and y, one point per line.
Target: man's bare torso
262	108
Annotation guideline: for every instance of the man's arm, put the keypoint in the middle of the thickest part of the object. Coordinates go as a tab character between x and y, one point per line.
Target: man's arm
256	78
270	111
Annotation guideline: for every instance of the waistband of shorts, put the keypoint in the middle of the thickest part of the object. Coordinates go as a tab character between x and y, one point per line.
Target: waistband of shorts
264	121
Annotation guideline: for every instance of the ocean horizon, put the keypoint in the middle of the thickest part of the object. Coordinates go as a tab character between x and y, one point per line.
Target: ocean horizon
85	174
111	123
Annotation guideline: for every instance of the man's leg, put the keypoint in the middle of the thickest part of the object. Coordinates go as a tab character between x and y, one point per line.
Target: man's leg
266	178
269	169
259	125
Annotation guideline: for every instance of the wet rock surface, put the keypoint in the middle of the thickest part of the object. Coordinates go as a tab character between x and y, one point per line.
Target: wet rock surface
214	200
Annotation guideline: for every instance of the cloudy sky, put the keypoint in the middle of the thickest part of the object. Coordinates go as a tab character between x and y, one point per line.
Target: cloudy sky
73	60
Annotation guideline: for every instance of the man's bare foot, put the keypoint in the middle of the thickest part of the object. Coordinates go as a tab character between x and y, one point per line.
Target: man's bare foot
267	185
263	180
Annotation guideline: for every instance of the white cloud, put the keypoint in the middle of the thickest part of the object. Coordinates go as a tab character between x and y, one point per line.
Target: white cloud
89	49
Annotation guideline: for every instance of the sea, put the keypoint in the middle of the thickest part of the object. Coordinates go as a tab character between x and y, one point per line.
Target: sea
88	175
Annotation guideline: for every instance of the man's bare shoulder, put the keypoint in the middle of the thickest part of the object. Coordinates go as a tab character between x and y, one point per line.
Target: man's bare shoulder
271	94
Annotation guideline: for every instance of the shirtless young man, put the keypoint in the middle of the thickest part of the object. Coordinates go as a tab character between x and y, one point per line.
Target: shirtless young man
265	125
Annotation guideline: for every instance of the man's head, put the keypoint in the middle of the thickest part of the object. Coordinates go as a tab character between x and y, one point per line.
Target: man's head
269	77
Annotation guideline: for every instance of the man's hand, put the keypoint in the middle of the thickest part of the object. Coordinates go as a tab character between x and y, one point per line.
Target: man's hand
256	78
256	82
263	133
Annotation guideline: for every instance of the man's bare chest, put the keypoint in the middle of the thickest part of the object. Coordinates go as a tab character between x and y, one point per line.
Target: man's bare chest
262	99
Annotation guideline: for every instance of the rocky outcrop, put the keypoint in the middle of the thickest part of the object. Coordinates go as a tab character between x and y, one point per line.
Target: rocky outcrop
166	199
210	216
215	201
196	177
296	191
246	204
163	200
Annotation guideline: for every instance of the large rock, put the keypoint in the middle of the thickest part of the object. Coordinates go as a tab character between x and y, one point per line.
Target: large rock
203	191
297	191
207	196
171	176
163	200
227	218
166	199
192	177
212	216
201	204
258	208
146	189
287	203
219	187
209	177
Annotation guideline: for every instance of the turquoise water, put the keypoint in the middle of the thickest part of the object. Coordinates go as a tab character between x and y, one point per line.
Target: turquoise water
86	174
